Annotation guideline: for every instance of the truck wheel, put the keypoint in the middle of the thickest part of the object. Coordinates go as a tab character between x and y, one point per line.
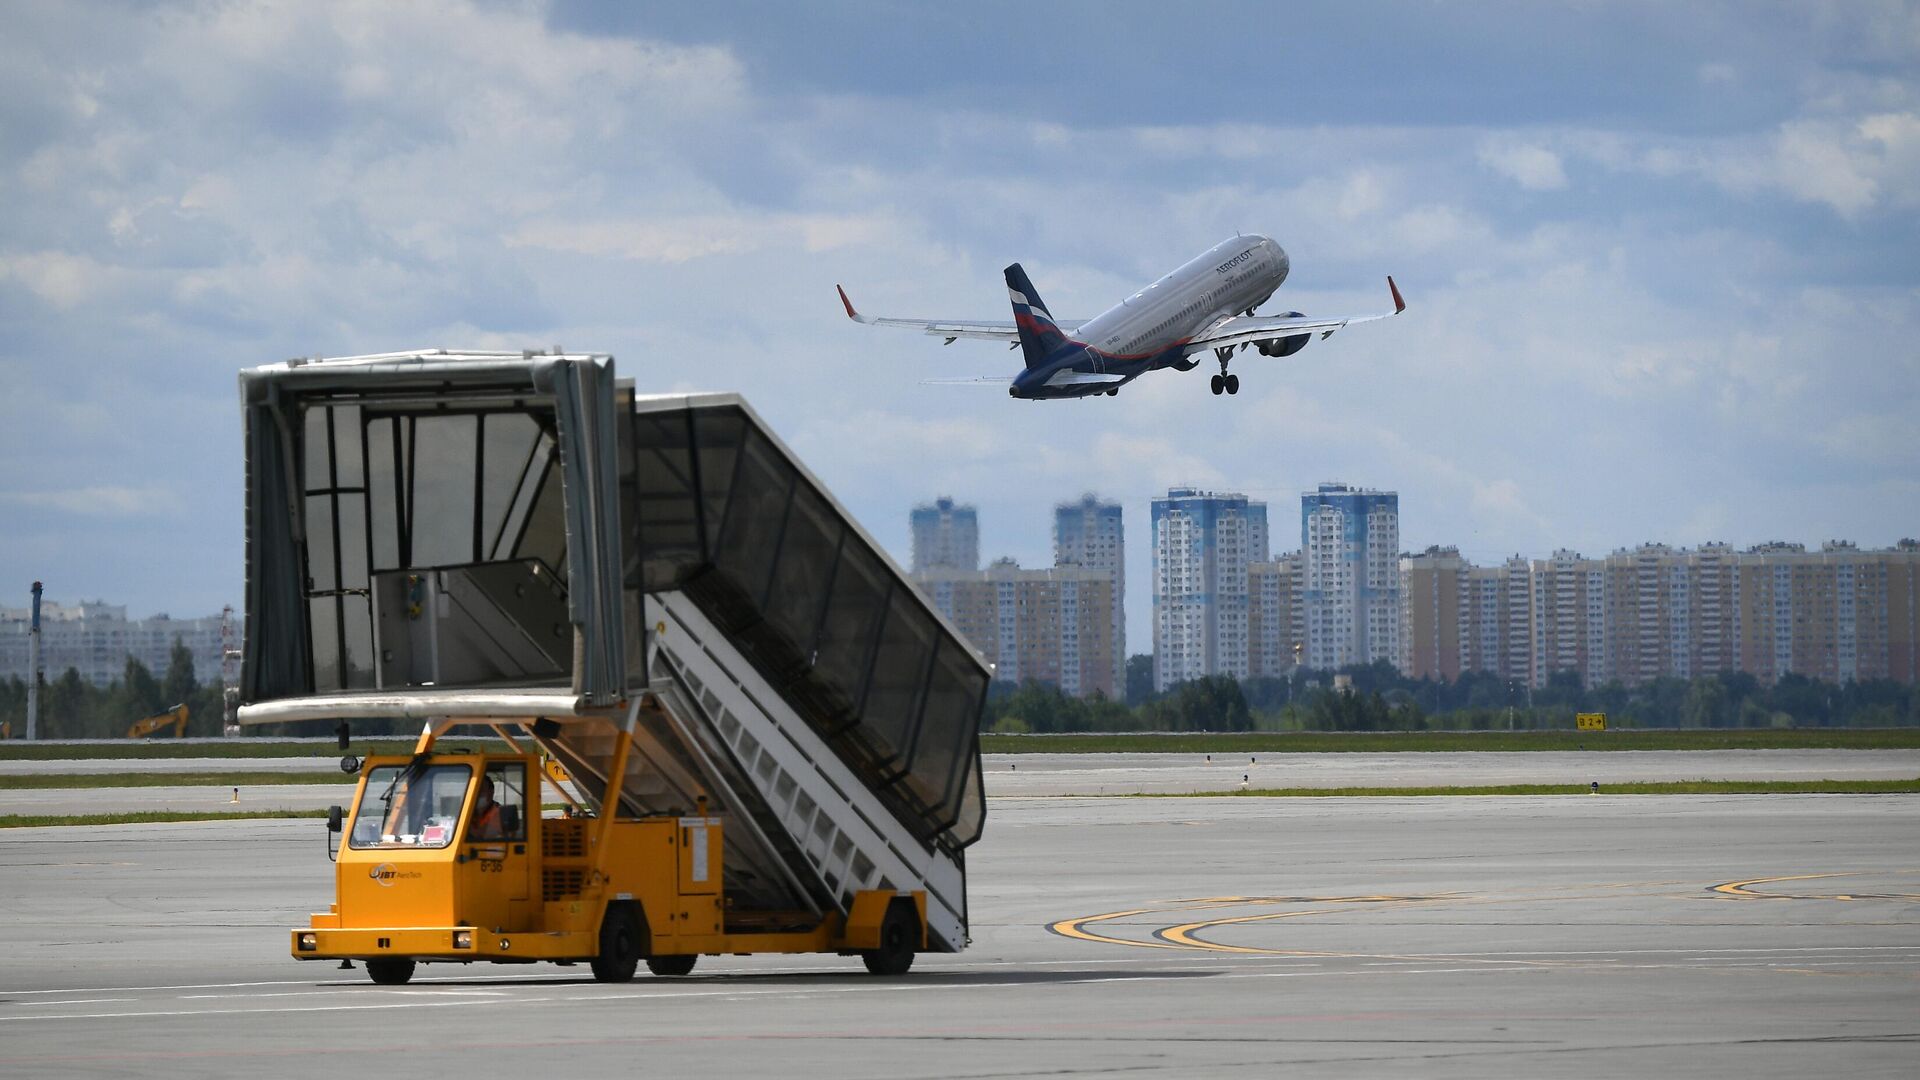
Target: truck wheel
619	946
390	972
899	931
671	965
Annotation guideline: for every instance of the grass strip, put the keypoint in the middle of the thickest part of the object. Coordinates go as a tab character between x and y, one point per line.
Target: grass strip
145	817
1653	787
1375	742
170	779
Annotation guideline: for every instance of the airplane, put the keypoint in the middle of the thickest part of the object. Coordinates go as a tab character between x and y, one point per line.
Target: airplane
1206	304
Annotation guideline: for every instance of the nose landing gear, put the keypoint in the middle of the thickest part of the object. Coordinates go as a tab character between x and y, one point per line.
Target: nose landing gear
1223	382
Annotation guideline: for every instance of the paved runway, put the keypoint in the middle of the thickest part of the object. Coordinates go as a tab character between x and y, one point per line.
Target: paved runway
1575	936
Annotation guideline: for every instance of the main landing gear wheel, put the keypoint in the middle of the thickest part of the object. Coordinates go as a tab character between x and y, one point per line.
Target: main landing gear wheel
390	972
898	933
671	965
1223	382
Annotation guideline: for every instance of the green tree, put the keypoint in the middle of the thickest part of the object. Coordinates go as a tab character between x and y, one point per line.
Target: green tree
180	683
137	694
1706	704
63	707
1139	679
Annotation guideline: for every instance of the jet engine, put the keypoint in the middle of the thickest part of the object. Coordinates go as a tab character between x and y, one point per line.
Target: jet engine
1285	346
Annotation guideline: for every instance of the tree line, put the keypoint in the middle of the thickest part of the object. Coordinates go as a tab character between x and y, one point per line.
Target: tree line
73	708
1380	698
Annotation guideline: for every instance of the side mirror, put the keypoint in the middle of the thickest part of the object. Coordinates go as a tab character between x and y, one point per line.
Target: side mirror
334	814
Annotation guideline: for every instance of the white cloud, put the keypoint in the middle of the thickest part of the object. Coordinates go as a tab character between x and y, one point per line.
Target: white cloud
99	501
61	279
1534	168
677	240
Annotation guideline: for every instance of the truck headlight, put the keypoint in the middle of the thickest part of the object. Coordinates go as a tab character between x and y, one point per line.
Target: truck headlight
463	939
309	942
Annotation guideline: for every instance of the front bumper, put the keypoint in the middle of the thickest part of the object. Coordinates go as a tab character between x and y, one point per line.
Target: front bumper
454	943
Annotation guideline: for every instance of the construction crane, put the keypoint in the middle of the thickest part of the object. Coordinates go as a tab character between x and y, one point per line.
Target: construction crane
175	717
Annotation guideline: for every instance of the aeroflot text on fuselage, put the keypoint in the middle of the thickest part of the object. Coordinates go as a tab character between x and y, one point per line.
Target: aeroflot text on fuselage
1233	262
1208	303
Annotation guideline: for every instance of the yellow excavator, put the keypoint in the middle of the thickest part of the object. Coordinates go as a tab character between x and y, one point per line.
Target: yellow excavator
175	718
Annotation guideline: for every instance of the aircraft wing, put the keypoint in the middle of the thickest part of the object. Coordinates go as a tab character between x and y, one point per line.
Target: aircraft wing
951	329
1241	329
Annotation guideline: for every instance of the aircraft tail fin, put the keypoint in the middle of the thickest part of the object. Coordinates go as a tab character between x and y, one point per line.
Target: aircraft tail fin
1039	337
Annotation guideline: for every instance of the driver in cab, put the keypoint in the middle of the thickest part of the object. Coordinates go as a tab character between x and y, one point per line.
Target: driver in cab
488	823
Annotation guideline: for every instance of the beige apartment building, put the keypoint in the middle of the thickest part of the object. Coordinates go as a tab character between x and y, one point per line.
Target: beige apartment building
1654	611
1276	621
1053	626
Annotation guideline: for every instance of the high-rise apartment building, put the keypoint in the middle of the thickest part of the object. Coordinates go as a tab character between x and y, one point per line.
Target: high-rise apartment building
96	638
946	536
1567	618
1436	621
1089	534
1276	623
1202	544
1350	545
1051	626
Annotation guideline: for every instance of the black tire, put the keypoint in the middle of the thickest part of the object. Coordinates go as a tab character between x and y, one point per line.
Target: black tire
390	972
671	965
1218	384
899	934
619	945
1233	384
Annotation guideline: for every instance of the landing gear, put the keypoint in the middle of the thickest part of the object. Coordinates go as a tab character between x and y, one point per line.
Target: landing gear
1223	382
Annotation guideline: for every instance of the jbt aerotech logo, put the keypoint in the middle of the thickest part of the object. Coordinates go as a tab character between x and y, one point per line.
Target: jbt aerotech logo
386	874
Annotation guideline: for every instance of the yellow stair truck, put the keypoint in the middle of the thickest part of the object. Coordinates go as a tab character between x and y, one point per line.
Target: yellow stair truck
769	737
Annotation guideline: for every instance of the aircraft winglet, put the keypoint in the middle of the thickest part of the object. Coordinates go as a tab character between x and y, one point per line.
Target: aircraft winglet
1399	305
851	314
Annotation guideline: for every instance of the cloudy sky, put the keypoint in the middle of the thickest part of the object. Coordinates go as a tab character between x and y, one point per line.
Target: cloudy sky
1662	260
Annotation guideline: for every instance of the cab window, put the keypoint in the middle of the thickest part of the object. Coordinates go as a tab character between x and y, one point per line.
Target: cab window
407	807
500	805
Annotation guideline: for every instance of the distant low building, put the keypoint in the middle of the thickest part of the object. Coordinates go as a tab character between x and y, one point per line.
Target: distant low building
95	638
1052	626
1654	611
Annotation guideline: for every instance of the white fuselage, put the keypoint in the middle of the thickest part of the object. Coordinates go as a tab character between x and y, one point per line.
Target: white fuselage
1231	277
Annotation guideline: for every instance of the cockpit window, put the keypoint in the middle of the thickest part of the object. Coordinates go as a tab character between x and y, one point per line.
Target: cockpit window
403	806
